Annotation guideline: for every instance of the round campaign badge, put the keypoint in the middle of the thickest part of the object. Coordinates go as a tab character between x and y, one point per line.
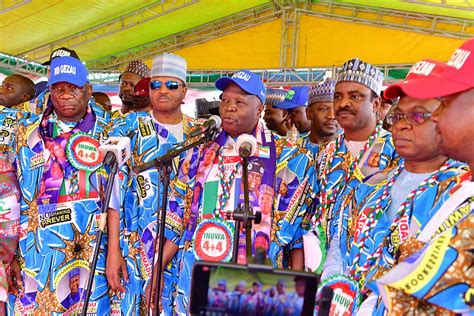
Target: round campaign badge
213	241
83	152
346	294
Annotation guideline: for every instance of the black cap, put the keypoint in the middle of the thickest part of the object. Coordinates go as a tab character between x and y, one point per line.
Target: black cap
61	52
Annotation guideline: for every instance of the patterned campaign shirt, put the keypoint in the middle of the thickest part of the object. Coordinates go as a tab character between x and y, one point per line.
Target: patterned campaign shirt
61	181
434	273
374	238
340	172
207	192
142	194
9	193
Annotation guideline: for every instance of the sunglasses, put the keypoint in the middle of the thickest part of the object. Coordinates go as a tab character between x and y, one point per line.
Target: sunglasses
412	117
170	85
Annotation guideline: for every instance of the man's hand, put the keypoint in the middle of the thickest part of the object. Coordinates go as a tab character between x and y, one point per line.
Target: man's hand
114	267
15	282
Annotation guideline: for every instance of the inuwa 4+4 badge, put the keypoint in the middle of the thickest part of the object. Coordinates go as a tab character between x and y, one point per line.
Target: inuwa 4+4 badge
83	152
213	241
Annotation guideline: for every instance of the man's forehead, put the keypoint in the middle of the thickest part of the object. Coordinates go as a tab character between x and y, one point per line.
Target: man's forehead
232	88
64	83
129	76
350	87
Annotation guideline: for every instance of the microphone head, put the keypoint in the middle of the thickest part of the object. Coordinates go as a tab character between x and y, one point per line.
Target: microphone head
246	145
217	119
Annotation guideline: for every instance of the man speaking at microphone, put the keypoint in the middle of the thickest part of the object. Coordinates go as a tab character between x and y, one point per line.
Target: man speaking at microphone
131	235
62	183
208	193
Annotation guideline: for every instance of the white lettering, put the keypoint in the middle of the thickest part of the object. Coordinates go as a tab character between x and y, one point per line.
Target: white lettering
242	75
459	58
422	68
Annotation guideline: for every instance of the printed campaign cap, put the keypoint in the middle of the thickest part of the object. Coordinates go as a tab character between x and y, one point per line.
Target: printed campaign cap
247	81
458	75
322	92
255	166
138	67
169	65
295	97
359	71
74	272
275	96
67	69
418	72
61	52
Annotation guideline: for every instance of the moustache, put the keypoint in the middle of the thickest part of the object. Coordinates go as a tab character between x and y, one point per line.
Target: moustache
346	109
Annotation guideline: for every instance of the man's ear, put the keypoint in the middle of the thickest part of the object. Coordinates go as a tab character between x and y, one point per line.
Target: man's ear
88	90
376	103
309	113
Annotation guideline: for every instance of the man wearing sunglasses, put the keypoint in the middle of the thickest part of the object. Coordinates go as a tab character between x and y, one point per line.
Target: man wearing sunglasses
62	181
152	134
400	207
448	232
215	189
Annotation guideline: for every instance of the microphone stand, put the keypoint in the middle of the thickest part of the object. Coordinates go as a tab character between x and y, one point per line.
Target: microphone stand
244	215
110	160
164	166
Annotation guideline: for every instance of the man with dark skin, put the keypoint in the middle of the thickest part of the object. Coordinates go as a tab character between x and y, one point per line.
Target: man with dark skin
135	71
76	190
454	220
295	102
277	120
320	112
240	109
15	90
103	99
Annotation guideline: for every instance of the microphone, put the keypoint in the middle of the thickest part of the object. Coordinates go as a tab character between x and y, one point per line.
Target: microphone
119	147
214	122
247	145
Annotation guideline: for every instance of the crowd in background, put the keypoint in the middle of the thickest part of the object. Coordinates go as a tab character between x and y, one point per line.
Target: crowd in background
370	189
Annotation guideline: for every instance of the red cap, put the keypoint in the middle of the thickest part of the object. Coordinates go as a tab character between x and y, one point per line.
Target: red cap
142	88
457	76
416	77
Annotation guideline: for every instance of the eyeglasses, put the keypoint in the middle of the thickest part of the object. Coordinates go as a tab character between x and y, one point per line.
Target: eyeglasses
77	91
412	117
170	85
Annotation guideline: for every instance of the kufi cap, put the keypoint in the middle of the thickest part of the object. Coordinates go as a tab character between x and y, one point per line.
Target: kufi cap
361	72
169	65
322	92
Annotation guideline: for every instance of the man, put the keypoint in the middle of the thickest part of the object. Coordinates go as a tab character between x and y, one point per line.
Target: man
241	106
58	159
103	100
277	120
401	206
218	296
296	102
320	112
254	303
237	298
135	71
42	98
448	289
152	134
15	91
75	293
363	149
